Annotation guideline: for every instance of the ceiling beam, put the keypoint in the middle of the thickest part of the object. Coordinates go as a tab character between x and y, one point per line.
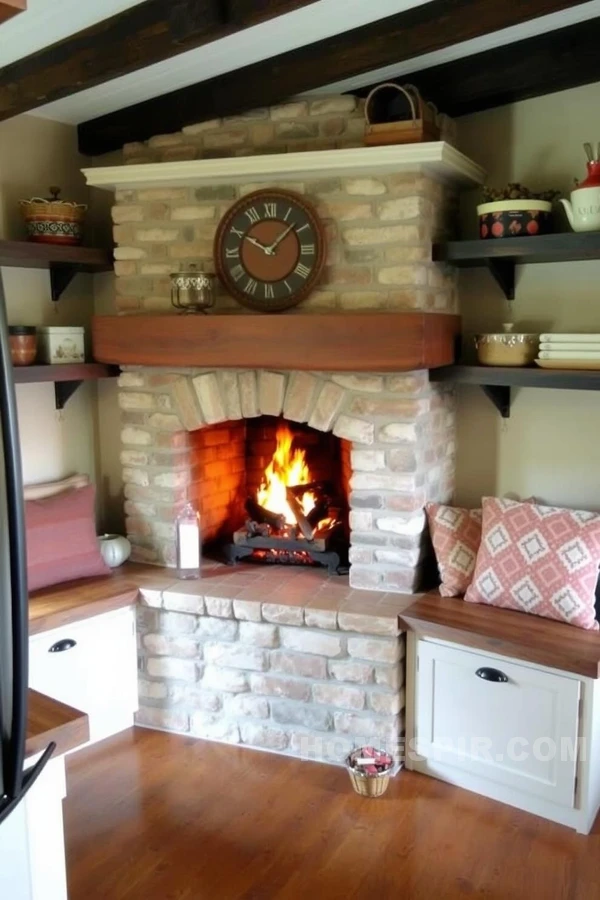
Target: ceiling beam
135	38
550	62
423	29
10	8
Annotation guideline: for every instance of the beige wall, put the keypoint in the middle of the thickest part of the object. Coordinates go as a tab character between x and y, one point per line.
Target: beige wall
35	153
550	446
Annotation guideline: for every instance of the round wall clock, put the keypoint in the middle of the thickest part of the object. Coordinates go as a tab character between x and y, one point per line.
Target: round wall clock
270	250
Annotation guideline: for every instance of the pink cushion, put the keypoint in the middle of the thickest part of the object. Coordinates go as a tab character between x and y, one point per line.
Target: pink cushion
538	559
61	539
456	536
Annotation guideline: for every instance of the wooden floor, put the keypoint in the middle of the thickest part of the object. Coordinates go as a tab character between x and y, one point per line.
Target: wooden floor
151	816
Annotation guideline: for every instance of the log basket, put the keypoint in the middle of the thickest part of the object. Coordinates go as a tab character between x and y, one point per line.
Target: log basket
419	120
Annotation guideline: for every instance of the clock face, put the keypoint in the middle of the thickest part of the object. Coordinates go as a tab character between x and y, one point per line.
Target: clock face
270	250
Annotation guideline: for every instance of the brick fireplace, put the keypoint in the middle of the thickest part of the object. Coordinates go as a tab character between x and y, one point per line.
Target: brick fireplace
184	437
286	658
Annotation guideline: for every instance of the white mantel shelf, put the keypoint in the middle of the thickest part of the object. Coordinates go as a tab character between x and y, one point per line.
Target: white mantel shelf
438	160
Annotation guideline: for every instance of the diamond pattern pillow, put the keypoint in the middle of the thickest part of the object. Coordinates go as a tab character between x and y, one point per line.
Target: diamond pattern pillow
456	536
538	559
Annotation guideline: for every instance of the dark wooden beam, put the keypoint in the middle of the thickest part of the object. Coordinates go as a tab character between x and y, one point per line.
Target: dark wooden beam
10	8
145	34
403	36
550	62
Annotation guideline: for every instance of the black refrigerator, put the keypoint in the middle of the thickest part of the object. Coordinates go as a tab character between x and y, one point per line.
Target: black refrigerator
15	780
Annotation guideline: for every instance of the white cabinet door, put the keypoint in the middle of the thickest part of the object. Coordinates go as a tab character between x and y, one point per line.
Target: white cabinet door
91	665
520	732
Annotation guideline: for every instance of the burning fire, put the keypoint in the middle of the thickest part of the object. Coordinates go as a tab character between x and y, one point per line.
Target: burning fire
287	469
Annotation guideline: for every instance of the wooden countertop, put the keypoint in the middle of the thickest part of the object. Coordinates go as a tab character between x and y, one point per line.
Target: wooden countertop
48	720
64	604
514	634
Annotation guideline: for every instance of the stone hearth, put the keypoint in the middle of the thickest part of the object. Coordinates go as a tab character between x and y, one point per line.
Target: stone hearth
281	659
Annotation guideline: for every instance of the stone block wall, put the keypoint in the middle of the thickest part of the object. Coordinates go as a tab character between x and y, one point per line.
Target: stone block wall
379	235
307	682
400	430
379	229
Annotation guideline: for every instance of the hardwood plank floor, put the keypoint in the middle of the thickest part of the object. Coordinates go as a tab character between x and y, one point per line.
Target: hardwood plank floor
152	816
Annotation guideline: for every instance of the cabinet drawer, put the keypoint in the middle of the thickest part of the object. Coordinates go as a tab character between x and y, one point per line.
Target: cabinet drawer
519	731
91	665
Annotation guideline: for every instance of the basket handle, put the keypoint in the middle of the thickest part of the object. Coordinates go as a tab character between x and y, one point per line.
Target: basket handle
402	90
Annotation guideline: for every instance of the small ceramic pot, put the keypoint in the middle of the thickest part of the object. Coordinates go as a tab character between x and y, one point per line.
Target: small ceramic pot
507	348
115	549
514	218
23	344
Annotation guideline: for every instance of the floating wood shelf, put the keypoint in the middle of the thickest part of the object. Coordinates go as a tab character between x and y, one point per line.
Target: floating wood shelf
66	378
502	256
496	381
63	262
333	342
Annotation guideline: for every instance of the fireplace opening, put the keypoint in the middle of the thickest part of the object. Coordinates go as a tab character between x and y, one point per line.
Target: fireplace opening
272	491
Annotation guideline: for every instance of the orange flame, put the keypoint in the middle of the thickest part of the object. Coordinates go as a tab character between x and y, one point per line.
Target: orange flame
287	469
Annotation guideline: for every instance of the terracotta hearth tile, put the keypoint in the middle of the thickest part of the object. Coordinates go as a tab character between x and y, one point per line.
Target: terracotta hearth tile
223	591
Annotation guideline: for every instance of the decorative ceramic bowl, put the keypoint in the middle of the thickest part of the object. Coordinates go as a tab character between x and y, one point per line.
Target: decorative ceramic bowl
514	218
53	221
507	348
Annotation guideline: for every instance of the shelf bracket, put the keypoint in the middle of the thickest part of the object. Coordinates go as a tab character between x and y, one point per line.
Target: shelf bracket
63	391
60	278
499	394
503	271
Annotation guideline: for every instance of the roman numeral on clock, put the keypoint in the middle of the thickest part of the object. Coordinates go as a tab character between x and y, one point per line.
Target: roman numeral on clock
271	210
237	273
306	225
269	292
232	252
253	215
307	249
302	270
250	287
236	231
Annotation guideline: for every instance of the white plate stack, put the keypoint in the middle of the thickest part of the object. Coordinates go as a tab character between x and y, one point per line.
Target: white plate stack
569	351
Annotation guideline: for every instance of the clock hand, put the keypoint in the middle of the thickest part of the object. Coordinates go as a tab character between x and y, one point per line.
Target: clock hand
278	240
258	244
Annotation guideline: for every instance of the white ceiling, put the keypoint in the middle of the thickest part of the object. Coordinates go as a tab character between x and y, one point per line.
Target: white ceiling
48	21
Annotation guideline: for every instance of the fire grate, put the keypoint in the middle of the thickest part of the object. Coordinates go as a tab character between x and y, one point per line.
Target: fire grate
318	538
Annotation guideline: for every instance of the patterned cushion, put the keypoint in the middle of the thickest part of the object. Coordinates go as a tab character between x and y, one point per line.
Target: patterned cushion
538	559
456	536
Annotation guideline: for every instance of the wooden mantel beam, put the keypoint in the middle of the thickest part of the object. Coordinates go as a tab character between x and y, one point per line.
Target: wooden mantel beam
10	8
133	39
423	29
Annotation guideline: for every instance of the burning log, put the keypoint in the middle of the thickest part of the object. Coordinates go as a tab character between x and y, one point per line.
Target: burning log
257	529
315	487
319	511
303	524
261	515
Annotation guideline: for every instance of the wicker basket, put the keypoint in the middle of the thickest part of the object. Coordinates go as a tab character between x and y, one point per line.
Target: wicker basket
365	784
420	124
53	221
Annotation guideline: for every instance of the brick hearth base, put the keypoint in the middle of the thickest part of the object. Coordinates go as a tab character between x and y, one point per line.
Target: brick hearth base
282	659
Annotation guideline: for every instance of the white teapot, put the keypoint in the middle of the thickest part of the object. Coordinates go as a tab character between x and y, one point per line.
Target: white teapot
583	211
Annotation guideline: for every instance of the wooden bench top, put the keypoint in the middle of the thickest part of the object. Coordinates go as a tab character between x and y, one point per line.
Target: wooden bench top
48	720
514	634
64	604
